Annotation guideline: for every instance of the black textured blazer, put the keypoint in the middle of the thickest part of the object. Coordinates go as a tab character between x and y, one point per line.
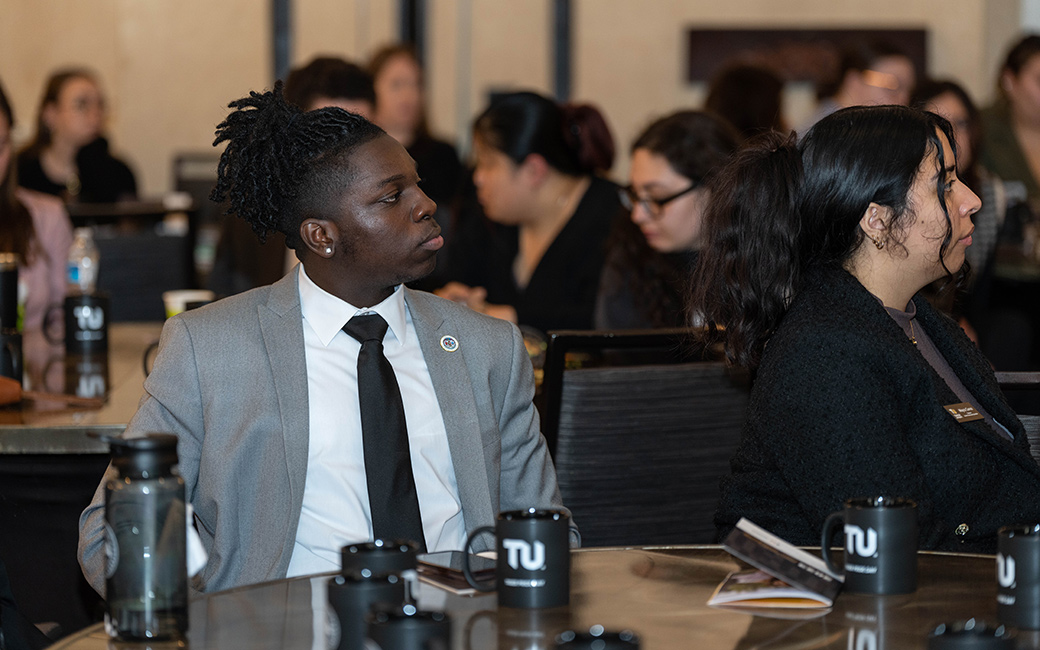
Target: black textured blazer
845	406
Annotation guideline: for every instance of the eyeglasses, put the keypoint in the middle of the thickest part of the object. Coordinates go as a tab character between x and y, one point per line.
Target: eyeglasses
653	207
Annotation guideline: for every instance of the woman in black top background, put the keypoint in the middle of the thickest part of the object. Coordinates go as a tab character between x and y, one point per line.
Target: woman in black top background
68	157
536	260
650	255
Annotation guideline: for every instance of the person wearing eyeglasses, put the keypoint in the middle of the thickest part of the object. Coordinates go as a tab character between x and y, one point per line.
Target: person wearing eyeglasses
651	255
871	74
536	260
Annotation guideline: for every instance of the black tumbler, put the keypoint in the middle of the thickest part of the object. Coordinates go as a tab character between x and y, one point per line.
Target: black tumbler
351	597
598	638
9	291
379	557
11	354
407	628
86	323
971	634
1018	576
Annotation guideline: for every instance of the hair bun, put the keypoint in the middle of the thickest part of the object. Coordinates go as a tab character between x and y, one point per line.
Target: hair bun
587	133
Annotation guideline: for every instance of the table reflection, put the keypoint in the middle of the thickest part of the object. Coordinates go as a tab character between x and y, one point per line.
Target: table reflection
659	593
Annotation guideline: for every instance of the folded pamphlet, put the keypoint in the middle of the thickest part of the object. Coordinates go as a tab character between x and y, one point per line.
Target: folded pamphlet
786	576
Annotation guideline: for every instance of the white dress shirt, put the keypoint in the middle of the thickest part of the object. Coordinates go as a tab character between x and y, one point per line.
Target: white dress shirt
335	497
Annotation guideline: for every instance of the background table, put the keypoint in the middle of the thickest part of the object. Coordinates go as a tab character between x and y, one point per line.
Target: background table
49	467
660	593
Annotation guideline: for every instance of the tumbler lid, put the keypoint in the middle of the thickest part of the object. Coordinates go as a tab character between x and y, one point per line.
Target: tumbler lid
392	628
598	638
972	634
379	557
148	456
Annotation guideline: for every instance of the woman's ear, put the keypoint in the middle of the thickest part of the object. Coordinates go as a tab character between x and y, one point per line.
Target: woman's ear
875	224
1007	82
534	168
319	236
47	115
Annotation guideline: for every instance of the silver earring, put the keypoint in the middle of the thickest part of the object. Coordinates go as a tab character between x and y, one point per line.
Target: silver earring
328	250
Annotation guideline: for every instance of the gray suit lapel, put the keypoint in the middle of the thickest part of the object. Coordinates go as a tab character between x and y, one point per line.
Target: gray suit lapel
454	388
282	329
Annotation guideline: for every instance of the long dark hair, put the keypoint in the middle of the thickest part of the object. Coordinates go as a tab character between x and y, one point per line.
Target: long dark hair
16	227
51	91
571	138
696	145
781	207
1017	58
282	165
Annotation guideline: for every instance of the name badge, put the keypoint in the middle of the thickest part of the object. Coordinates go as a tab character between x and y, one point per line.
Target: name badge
963	412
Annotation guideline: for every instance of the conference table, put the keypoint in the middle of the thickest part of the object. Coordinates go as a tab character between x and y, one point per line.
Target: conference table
660	593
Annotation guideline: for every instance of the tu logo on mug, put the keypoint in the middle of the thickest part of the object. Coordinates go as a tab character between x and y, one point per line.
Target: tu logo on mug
862	639
89	318
1005	571
521	553
858	542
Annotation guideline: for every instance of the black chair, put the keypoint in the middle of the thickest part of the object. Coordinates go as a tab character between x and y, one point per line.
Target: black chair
1021	385
641	441
137	267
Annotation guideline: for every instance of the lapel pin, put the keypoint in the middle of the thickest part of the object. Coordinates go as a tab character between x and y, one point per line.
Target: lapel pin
449	343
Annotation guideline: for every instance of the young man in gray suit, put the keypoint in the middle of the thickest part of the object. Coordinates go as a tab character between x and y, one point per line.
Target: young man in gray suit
262	388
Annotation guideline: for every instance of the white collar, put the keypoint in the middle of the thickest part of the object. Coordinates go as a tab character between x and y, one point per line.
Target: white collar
327	314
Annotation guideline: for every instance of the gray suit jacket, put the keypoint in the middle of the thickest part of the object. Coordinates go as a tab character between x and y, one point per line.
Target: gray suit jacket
230	380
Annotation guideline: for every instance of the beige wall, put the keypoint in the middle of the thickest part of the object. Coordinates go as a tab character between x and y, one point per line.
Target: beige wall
169	67
631	61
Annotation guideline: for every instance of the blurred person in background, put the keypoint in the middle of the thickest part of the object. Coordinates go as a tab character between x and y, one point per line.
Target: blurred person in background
1011	126
870	74
538	257
652	254
331	81
36	228
749	97
400	109
69	157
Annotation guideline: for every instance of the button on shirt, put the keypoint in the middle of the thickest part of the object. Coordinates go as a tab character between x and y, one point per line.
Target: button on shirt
335	497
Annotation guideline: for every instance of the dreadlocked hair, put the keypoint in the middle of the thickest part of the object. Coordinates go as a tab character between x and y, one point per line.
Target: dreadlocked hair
282	165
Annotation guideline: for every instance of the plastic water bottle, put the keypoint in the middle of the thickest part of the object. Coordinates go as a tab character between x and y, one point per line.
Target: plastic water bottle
83	263
145	525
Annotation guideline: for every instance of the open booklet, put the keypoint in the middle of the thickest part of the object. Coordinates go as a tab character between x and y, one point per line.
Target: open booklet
785	575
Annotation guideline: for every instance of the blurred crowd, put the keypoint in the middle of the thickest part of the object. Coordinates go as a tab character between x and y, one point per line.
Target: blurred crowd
536	230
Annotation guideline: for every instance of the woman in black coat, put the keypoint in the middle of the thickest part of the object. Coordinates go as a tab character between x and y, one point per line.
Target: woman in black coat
815	254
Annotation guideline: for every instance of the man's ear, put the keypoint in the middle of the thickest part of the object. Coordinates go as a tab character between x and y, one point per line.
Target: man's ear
319	236
875	224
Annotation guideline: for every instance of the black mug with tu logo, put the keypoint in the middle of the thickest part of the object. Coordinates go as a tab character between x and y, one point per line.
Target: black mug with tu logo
533	569
1018	576
880	545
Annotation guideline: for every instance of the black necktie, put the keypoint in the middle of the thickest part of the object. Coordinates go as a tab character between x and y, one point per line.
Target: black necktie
388	466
